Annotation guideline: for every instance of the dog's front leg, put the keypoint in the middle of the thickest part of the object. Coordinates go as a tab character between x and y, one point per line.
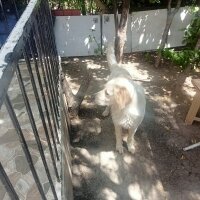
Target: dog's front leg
131	141
118	133
106	111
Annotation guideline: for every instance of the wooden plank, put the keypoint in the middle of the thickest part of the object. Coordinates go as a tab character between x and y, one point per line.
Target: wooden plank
193	109
196	83
197	119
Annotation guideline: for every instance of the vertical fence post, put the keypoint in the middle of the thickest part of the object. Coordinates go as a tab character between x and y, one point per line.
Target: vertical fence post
40	109
24	145
35	131
7	184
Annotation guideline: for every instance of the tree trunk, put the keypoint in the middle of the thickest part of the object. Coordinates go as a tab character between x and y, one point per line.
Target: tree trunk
74	101
121	30
90	7
198	44
170	17
83	7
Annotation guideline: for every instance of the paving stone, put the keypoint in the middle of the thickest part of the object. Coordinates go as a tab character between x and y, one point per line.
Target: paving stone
22	165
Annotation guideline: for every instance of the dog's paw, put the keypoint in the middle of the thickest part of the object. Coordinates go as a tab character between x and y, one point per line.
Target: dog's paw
105	113
119	148
131	148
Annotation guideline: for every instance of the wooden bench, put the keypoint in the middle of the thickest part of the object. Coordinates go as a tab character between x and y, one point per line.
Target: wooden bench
191	116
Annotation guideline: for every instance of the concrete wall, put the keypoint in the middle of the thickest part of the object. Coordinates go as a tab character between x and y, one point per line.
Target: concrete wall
144	31
147	28
73	35
66	166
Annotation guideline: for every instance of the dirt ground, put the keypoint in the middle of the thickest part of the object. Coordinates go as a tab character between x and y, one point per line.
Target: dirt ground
159	169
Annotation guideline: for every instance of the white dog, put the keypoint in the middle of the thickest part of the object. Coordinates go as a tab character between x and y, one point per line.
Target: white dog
125	99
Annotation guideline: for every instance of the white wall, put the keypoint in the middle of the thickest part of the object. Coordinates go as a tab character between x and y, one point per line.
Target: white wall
180	22
72	35
108	31
144	31
147	28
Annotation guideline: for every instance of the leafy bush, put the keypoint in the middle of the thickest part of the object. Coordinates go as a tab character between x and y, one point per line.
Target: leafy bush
183	58
189	55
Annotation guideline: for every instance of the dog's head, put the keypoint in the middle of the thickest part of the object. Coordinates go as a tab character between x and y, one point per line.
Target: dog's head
114	94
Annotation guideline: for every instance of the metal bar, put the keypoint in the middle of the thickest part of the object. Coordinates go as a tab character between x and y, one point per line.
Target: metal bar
30	43
35	131
10	52
50	23
52	40
44	7
24	145
49	96
41	45
47	68
40	110
49	56
52	55
7	184
50	67
46	48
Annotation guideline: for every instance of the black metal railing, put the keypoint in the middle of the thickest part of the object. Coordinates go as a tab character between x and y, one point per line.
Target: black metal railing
32	42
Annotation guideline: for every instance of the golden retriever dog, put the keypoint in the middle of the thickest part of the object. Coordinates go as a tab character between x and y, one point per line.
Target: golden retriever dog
125	99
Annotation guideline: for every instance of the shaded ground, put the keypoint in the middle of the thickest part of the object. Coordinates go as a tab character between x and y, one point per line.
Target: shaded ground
159	169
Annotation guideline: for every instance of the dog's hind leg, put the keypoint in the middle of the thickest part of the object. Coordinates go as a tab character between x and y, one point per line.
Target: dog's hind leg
131	140
106	111
118	133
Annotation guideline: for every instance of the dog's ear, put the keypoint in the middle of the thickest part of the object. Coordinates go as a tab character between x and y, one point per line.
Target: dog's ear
122	97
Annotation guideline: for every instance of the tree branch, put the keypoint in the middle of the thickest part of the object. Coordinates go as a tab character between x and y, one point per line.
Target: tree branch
74	101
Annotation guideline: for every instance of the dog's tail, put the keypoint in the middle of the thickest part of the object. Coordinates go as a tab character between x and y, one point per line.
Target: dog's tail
111	55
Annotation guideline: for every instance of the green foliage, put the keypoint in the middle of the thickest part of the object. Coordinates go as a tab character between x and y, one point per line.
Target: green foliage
136	5
182	58
154	1
189	55
192	32
86	6
97	50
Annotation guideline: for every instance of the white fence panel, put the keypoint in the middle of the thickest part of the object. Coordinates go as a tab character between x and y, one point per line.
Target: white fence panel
181	20
108	31
73	35
147	28
81	35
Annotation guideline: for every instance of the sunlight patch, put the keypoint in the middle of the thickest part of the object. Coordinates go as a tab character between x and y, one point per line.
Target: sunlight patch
109	166
85	153
183	14
188	87
128	159
141	38
136	73
157	191
108	194
135	191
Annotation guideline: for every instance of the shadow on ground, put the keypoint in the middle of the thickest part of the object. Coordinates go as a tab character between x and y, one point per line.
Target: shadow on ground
159	169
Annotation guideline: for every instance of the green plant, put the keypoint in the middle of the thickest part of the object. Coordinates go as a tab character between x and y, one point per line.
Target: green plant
183	58
190	56
192	32
97	50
